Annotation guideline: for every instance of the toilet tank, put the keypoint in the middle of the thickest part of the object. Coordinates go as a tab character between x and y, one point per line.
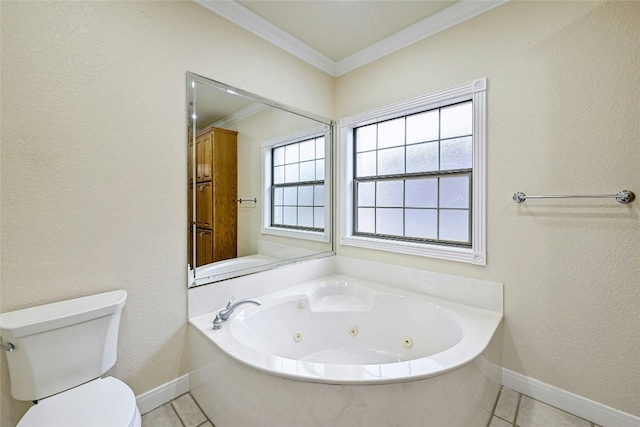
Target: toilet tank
61	345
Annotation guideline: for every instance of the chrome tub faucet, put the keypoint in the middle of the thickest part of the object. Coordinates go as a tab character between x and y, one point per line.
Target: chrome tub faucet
225	313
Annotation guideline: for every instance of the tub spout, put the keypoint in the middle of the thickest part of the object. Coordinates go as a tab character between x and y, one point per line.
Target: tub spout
225	313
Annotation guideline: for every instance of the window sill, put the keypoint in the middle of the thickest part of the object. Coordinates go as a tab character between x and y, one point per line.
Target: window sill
317	236
450	253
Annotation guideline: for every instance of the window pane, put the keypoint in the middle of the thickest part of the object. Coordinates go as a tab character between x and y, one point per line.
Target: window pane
454	192
318	195
318	217
389	221
456	154
366	194
421	223
291	173
391	161
307	150
277	215
422	127
391	133
290	215
277	196
292	153
305	195
278	175
320	169
454	225
305	217
278	156
366	138
389	194
366	164
421	193
320	148
422	157
456	120
308	171
366	220
290	195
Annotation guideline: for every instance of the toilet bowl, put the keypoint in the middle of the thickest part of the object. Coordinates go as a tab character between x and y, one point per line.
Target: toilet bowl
57	354
105	402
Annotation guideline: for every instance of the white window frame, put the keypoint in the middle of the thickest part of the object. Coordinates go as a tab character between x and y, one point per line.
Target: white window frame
267	147
476	254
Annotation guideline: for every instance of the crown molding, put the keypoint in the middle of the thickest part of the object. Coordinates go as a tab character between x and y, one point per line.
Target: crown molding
440	21
245	18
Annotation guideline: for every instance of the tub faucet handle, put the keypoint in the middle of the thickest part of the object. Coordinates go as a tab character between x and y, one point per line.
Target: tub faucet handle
231	301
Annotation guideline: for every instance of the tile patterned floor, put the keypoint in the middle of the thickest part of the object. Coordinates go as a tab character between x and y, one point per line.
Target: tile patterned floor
512	410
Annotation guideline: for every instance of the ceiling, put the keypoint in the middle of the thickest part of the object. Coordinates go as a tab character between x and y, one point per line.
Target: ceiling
338	36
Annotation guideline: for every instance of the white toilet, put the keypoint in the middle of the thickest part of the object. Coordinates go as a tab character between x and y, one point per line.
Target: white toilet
56	354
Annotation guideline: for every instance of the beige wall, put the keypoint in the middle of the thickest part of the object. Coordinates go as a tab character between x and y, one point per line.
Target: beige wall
563	118
94	159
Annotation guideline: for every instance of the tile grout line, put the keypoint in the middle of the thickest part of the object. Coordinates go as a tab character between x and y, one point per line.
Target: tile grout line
515	419
176	411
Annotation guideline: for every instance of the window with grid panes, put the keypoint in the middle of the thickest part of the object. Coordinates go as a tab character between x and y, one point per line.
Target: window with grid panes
414	176
297	185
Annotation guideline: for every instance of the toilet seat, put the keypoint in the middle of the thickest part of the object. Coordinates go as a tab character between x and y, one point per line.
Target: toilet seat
104	402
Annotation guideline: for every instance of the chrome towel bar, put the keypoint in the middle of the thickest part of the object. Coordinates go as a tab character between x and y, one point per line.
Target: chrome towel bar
254	200
624	196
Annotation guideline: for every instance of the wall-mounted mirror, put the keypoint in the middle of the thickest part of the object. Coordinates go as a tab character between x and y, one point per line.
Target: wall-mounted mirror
259	183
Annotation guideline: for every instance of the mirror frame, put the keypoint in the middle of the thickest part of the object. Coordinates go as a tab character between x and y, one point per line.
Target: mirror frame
191	98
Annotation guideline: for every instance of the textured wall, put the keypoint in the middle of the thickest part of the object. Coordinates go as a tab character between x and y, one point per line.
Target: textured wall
93	168
563	109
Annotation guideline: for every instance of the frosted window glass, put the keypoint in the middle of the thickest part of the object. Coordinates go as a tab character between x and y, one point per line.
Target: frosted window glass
320	169
366	194
291	173
422	157
318	195
389	194
366	220
308	171
318	217
456	120
290	215
277	215
290	195
278	156
305	195
307	150
278	175
454	192
421	223
305	217
421	193
389	221
320	147
422	127
366	138
391	133
366	164
292	153
277	196
391	161
454	225
456	154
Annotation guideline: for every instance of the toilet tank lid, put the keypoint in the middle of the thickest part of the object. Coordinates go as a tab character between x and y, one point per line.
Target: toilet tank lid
46	317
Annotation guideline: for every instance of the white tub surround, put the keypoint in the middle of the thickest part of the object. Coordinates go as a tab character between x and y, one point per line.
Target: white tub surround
341	330
338	350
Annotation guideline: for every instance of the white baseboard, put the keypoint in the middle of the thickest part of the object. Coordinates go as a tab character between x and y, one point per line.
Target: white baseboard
152	399
562	399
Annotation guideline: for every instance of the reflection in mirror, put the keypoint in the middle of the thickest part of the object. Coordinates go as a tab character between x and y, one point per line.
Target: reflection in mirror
259	183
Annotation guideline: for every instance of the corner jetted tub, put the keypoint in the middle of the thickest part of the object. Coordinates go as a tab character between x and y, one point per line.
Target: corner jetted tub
339	334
